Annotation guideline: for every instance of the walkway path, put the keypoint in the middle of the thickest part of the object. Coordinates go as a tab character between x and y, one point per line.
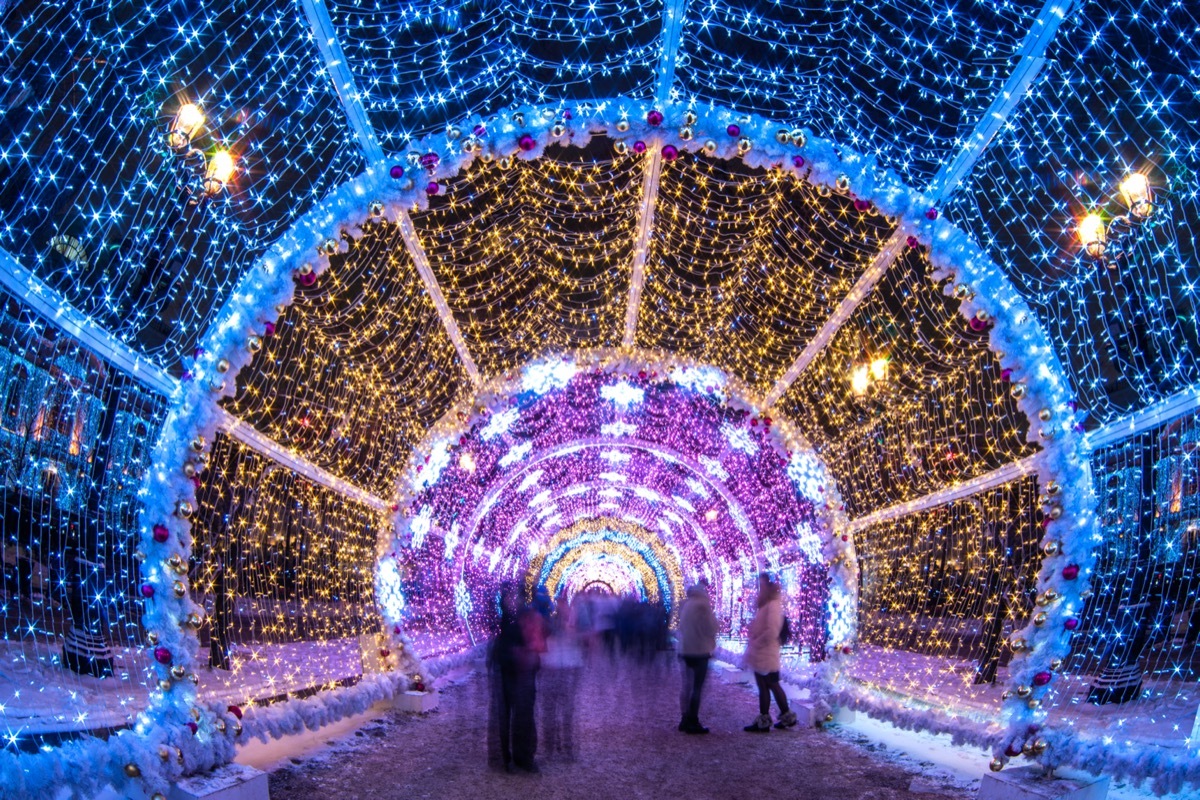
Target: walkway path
628	749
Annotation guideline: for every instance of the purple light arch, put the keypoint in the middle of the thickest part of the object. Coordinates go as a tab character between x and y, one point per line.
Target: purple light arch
668	448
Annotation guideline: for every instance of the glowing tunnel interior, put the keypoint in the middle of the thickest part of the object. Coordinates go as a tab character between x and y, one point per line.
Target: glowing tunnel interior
586	468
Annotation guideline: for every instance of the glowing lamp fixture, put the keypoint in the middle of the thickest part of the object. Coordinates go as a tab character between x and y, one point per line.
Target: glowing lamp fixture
860	379
218	173
1092	235
1135	190
879	368
188	121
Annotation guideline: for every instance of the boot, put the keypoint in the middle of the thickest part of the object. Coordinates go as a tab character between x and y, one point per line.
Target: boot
761	724
787	719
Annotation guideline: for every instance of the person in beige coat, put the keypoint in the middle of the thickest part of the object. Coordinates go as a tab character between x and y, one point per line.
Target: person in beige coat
697	636
763	657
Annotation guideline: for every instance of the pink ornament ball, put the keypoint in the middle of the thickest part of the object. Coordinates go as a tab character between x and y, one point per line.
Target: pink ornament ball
567	114
161	534
639	146
669	152
479	131
307	279
236	711
1042	678
977	324
162	655
931	214
397	172
430	161
862	205
734	130
1006	374
432	188
147	591
193	727
526	142
798	161
1071	624
268	329
1070	572
912	241
655	117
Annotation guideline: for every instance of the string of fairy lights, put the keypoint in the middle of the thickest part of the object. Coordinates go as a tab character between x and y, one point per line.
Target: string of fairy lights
149	154
937	410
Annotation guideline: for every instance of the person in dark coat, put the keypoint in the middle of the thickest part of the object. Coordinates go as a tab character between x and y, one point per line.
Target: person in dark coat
516	658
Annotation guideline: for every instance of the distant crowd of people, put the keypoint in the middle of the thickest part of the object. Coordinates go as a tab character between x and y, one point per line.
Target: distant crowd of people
547	643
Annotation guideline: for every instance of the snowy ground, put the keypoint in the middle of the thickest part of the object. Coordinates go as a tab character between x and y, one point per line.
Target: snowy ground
626	748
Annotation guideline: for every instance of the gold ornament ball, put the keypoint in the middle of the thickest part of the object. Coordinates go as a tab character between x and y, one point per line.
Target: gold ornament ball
165	685
505	162
557	130
1046	433
710	147
164	753
1024	691
216	384
1033	703
254	344
689	117
621	148
158	796
783	136
133	771
623	125
1056	664
179	589
198	444
223	365
996	765
151	638
1040	618
189	469
184	509
1052	487
1018	391
685	133
518	118
221	725
453	133
982	315
744	145
413	158
1055	512
798	138
1050	548
1045	414
178	672
842	184
328	247
375	209
962	291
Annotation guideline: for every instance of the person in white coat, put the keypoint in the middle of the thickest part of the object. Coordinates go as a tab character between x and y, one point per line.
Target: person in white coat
763	657
697	636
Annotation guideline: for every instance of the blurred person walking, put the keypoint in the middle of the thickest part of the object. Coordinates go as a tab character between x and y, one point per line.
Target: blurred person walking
697	640
515	659
763	657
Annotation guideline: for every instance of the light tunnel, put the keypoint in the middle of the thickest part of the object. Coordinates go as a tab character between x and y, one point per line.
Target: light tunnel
322	320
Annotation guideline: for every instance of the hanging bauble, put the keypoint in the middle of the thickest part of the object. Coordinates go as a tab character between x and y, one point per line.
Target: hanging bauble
178	672
743	145
160	533
842	184
558	130
1055	512
1017	644
430	161
734	130
1045	414
505	162
432	188
179	589
1070	572
655	117
1050	548
669	152
453	133
1023	691
1018	391
526	142
132	771
685	133
799	138
977	324
183	509
547	113
1052	487
223	366
147	591
621	148
710	147
329	247
1071	623
164	753
931	214
1047	597
1040	618
996	765
193	727
518	118
162	655
375	209
783	136
1039	747
253	344
689	117
198	444
165	684
623	125
862	206
1006	374
194	620
1056	664
236	711
413	158
397	172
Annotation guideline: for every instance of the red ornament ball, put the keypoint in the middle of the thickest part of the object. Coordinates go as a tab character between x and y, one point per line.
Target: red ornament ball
1071	571
670	152
912	241
162	655
308	279
397	172
526	142
977	324
931	214
734	130
1071	624
1042	678
236	711
639	146
161	534
655	117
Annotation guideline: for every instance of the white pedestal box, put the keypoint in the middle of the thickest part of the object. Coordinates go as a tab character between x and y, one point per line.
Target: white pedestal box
1032	783
417	702
230	782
